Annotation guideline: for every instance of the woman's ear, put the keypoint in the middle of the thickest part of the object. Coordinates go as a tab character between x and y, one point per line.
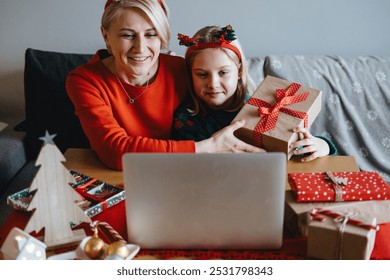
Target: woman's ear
106	39
104	34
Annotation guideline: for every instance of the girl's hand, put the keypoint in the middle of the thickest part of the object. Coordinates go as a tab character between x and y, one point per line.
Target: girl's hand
224	141
308	144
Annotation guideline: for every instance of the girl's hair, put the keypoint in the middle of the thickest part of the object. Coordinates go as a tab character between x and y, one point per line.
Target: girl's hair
245	84
156	10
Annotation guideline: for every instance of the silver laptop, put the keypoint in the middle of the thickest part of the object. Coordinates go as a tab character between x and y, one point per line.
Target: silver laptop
205	201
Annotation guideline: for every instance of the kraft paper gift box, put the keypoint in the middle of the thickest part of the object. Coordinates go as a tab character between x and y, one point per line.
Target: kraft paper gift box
338	186
297	214
274	110
330	239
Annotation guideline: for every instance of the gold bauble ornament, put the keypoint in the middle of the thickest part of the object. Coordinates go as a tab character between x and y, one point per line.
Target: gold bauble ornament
95	248
118	248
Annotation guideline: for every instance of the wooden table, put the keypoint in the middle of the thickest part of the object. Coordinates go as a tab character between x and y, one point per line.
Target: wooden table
86	162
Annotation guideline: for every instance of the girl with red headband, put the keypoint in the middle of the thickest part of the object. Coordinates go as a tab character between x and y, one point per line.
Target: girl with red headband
126	95
220	87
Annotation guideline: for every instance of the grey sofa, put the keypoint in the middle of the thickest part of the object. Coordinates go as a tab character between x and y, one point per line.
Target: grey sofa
355	111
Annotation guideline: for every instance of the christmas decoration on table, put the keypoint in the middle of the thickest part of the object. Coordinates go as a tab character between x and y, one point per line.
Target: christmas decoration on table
274	110
96	196
337	235
19	245
54	201
95	248
339	186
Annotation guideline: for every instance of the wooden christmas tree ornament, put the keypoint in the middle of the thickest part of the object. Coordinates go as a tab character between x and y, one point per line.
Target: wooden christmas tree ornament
54	201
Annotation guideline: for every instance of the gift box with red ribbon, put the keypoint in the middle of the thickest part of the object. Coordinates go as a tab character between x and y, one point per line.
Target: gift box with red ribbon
337	235
338	186
274	110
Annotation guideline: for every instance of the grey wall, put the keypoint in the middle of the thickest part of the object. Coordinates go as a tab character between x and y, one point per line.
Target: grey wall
343	27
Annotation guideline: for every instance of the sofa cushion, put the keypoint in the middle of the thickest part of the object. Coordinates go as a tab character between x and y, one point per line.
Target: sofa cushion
255	69
47	104
12	156
355	105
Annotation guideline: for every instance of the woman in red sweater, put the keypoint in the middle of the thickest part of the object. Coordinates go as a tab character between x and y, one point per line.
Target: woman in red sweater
126	95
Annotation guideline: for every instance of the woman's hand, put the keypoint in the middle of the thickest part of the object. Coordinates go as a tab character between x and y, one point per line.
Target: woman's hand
309	144
224	141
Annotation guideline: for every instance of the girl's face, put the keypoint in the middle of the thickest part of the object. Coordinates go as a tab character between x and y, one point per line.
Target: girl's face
134	44
215	77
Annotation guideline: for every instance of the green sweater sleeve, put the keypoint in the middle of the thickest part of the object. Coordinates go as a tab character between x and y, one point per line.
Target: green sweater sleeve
332	147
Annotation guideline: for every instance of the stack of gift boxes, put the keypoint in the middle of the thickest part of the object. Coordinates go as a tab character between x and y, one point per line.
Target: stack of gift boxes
339	212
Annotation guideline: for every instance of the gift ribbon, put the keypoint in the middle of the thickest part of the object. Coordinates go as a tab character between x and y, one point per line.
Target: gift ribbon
318	214
337	189
113	234
344	219
81	188
270	113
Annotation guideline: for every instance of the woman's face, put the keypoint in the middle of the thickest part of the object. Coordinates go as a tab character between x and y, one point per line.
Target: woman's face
134	44
215	77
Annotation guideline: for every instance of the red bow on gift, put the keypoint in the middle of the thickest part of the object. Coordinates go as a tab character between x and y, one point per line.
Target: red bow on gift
270	113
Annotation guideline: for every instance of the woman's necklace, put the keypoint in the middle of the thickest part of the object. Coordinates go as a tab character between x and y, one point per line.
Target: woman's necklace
132	100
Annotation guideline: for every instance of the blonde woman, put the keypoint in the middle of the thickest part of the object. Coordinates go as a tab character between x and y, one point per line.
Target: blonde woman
126	95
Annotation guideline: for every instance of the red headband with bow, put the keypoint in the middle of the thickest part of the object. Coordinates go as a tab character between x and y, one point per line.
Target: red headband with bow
225	36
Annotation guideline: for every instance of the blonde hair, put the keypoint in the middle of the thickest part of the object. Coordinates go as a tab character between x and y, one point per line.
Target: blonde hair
245	84
156	12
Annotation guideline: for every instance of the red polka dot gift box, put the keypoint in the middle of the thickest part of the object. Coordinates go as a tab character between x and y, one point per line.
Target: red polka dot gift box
277	107
338	186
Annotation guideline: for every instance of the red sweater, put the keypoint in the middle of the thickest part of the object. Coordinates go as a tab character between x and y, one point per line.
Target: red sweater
113	125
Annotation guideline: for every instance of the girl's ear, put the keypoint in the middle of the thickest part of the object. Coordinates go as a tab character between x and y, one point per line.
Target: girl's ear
240	72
